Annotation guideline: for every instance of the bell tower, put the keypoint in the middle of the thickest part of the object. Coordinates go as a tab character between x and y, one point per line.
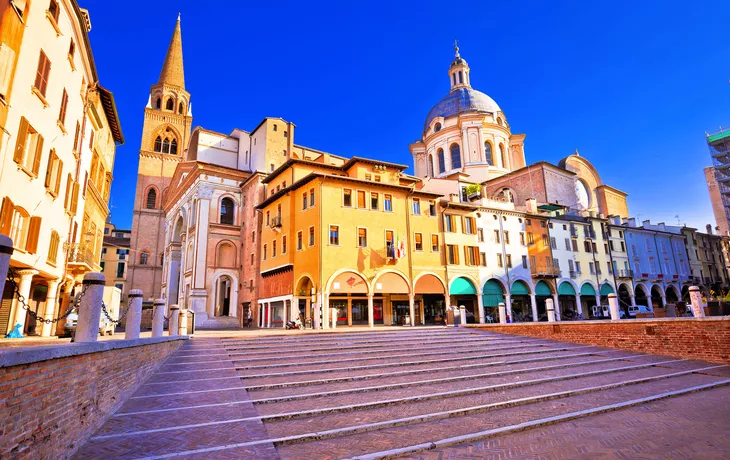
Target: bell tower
165	134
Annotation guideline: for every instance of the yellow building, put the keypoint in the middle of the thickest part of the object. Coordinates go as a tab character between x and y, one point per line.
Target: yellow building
115	257
353	240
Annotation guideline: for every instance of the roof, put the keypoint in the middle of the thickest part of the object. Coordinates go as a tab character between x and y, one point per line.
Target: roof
110	110
462	100
172	70
115	241
719	135
371	161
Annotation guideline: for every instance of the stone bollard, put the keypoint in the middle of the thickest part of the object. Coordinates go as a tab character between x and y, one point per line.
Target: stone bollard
333	314
6	250
134	314
158	317
462	314
87	326
613	307
183	322
695	297
550	307
502	313
174	324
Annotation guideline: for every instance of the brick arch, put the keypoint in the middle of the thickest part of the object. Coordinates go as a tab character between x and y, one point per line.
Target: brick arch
157	199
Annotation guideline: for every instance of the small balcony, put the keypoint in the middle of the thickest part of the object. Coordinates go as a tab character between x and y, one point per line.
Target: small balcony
545	272
574	274
276	222
82	258
573	231
624	273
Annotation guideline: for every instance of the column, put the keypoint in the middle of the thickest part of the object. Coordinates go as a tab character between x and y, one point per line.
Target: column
613	307
556	306
633	300
174	325
26	278
6	250
371	311
464	146
664	301
51	303
200	245
480	303
87	327
533	302
598	299
695	297
134	314
578	305
502	313
268	314
550	307
411	305
158	317
325	311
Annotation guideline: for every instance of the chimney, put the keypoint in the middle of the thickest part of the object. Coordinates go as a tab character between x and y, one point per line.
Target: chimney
661	225
709	229
631	222
646	223
531	205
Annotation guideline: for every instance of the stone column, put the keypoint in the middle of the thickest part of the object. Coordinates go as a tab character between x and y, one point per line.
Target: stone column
695	298
664	301
371	311
51	303
533	302
26	278
268	314
183	322
613	307
174	324
550	307
502	313
556	306
411	305
480	304
6	250
325	311
87	326
462	314
578	305
633	300
134	314
598	299
334	313
158	317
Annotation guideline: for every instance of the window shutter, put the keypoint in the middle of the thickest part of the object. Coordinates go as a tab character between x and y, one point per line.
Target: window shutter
33	231
38	154
69	187
59	173
7	58
49	171
20	145
6	216
75	198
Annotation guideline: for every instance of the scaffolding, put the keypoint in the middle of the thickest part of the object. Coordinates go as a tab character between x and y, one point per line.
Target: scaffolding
719	144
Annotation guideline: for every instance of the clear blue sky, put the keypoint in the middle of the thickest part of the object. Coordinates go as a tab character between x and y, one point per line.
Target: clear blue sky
632	85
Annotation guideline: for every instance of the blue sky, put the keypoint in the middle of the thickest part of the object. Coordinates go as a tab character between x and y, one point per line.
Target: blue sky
632	85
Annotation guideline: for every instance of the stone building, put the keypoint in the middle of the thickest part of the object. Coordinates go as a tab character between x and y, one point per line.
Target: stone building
115	257
717	177
58	134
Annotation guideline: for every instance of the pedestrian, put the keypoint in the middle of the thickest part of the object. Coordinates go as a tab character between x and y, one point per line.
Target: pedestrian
248	320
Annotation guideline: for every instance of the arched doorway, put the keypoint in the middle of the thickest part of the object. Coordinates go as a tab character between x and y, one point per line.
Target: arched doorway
394	287
685	294
302	308
672	296
430	291
588	300
492	297
656	297
567	300
641	296
463	292
344	288
624	298
223	296
542	293
606	289
521	304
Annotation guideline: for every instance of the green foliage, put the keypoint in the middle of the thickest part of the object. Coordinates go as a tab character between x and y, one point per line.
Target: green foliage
473	189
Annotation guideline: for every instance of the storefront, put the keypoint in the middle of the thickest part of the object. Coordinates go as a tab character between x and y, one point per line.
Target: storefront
430	291
493	296
542	293
606	289
521	304
567	300
464	293
588	300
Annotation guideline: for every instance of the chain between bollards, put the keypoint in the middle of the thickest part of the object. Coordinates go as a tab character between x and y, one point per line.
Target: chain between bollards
23	303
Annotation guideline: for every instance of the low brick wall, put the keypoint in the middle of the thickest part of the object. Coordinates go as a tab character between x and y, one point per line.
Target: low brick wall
705	339
53	398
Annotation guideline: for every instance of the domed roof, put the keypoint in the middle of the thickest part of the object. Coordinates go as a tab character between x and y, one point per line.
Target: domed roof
462	100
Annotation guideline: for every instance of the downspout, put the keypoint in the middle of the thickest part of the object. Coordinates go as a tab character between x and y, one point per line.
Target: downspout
321	268
408	239
447	296
610	258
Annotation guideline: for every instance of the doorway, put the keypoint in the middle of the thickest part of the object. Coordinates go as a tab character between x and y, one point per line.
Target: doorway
223	305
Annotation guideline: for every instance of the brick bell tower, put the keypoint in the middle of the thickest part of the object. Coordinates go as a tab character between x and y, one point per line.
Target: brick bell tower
165	134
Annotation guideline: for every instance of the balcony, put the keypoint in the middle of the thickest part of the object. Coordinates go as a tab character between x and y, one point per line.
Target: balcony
589	233
547	272
276	222
573	231
574	274
624	273
641	276
83	259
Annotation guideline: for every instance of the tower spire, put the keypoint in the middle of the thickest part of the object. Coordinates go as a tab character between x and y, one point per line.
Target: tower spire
172	70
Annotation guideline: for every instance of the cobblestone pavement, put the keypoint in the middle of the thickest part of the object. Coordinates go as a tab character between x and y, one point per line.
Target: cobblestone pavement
418	393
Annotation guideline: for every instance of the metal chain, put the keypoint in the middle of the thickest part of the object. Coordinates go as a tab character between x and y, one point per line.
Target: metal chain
34	315
108	316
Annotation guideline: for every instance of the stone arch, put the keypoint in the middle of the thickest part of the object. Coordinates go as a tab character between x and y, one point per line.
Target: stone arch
218	301
455	155
503	156
571	282
151	197
469	278
352	282
165	132
304	285
674	296
534	288
520	281
428	278
593	285
391	281
657	296
429	165
225	254
626	286
234	211
489	152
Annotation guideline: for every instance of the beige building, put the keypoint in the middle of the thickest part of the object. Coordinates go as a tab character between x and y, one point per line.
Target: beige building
58	134
115	257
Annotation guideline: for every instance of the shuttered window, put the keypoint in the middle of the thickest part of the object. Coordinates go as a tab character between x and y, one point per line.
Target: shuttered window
44	70
6	216
28	148
53	173
64	104
53	248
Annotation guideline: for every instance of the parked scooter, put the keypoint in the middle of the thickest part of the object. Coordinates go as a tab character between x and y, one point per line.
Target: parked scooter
294	324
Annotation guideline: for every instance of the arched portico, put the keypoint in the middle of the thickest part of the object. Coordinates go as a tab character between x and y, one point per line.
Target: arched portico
657	296
342	288
304	300
430	291
569	299
462	291
224	301
672	294
625	297
588	299
493	293
641	293
394	287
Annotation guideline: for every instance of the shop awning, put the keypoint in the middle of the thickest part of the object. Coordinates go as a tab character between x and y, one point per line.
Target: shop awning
462	286
606	289
519	288
566	289
493	294
587	289
543	289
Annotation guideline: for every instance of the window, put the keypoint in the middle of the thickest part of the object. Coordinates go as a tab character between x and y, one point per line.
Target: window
469	226
575	245
483	259
374	202
362	237
471	255
53	248
532	261
416	206
530	238
368	177
268	218
388	204
419	241
227	211
504	158
53	174
432	208
435	243
449	223
42	74
567	244
283	244
556	263
594	246
587	246
480	235
265	251
488	153
500	262
553	243
452	254
169	105
528	222
545	241
300	241
429	166
151	199
120	269
442	160
361	199
251	259
623	246
273	248
305	201
158	144
271	167
437	127
577	267
334	235
524	261
347	198
53	10
522	238
455	156
496	236
509	260
311	236
91	139
591	268
311	197
158	103
506	237
275	127
64	105
389	244
173	147
143	258
28	149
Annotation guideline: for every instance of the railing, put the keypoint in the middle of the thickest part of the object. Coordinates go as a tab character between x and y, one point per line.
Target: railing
276	221
625	273
573	231
83	256
545	271
574	274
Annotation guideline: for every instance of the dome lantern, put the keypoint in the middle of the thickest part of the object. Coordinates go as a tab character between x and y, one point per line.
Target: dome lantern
459	71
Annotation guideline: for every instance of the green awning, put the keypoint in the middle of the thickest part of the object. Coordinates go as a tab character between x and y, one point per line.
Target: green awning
566	288
462	286
519	288
493	294
718	136
543	289
606	289
587	289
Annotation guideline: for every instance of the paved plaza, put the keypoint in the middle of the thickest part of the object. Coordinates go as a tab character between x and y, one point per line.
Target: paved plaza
418	393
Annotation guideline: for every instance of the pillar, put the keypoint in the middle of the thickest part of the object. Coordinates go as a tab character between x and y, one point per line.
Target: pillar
633	300
6	250
174	324
87	327
664	301
578	305
134	314
556	306
411	305
480	303
158	317
371	311
325	311
613	307
695	298
550	307
462	314
183	322
598	299
334	313
533	303
267	306
51	303
502	313
26	279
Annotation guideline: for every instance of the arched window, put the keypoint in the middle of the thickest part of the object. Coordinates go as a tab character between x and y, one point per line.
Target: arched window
461	77
488	153
152	199
455	156
169	105
454	75
173	147
437	127
503	155
165	146
158	144
429	166
143	258
158	104
180	108
442	160
499	121
227	211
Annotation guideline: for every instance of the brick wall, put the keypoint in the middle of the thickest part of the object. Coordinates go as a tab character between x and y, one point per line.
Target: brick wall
705	339
49	408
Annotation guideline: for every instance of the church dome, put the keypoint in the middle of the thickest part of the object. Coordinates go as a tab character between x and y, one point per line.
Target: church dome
462	100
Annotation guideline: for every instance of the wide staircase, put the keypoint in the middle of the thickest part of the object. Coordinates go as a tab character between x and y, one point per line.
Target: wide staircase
419	393
222	323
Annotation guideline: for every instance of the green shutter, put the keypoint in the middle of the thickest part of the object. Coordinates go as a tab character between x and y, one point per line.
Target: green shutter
606	289
493	293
